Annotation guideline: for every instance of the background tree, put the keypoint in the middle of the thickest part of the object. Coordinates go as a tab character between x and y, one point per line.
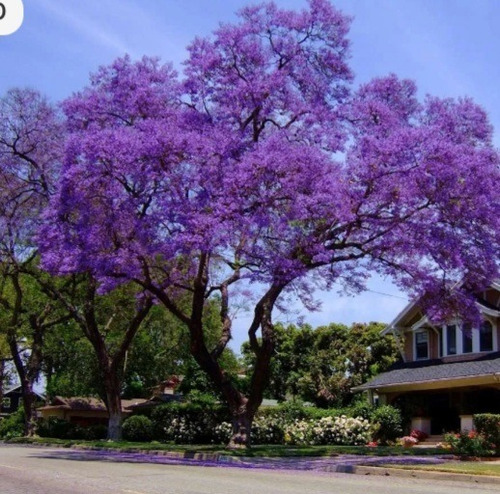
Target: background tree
264	167
30	151
322	365
110	324
159	350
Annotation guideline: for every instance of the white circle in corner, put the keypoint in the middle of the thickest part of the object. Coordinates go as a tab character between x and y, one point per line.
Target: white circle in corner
11	16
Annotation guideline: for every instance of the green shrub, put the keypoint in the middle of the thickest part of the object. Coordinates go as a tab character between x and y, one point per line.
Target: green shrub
13	425
469	444
54	427
488	425
361	409
388	422
138	428
62	429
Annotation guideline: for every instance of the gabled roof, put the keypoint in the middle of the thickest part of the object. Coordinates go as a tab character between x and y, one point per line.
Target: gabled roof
18	389
430	371
412	307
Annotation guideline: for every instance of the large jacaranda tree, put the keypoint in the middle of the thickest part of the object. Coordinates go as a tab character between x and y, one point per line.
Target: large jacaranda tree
263	166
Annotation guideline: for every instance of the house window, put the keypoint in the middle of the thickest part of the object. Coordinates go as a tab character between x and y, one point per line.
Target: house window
6	403
467	340
451	339
421	345
486	337
459	339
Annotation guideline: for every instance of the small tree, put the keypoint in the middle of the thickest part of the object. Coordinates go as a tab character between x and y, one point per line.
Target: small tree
263	166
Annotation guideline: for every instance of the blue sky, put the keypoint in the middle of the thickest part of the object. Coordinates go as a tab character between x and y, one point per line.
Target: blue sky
449	47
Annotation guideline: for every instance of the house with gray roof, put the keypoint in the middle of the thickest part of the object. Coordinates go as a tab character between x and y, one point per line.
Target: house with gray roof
448	373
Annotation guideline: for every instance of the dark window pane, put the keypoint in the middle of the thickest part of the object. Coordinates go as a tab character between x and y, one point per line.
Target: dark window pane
422	345
486	337
451	335
466	338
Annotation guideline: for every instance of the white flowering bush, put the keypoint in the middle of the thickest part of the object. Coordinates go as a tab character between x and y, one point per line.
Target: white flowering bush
298	432
341	430
267	430
329	430
182	431
222	433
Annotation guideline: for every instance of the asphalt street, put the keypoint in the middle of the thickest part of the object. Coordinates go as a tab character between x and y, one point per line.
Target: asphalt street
27	470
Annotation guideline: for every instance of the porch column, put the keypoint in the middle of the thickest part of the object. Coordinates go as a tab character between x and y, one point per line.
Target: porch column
421	424
466	423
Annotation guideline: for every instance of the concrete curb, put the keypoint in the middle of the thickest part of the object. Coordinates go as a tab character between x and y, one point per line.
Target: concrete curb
418	474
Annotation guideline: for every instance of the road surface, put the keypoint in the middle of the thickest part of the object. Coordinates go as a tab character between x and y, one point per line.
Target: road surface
28	470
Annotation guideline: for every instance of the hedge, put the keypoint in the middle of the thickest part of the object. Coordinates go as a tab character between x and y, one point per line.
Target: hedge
488	425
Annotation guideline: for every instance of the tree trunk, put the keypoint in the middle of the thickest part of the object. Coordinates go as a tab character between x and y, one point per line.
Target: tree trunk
242	428
2	377
29	401
114	406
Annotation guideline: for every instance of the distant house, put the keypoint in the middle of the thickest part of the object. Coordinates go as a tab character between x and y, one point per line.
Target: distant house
83	411
448	373
13	399
165	392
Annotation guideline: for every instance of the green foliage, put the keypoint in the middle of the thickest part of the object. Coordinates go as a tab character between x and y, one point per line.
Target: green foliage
488	425
13	425
62	429
469	444
54	427
388	419
138	428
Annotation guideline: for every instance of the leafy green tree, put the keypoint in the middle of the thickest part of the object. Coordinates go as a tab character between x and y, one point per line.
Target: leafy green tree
27	314
322	365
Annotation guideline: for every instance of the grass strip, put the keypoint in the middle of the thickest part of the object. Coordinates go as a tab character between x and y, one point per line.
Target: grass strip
468	467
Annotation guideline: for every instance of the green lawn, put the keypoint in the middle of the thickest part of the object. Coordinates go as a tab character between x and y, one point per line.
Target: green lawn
468	467
255	451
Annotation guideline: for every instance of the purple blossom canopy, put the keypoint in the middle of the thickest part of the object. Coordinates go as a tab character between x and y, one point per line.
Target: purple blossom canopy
266	160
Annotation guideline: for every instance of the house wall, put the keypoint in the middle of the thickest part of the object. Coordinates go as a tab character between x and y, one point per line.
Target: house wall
45	414
433	344
408	347
492	296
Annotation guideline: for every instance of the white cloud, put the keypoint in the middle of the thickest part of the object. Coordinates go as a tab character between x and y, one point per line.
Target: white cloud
89	22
